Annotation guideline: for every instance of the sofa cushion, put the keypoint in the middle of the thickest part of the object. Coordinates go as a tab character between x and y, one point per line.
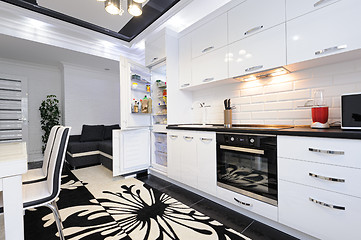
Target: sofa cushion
81	147
108	131
106	147
92	133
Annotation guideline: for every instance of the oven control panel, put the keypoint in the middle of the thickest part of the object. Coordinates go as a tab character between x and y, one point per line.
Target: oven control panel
243	140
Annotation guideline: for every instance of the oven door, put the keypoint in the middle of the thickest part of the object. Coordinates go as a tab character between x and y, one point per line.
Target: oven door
251	172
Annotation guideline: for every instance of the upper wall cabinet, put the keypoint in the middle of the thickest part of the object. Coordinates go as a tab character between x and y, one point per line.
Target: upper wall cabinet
185	61
254	16
262	51
330	30
296	8
210	36
210	67
155	50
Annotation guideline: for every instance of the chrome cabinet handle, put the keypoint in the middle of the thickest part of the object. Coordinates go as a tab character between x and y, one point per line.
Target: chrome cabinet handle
206	139
187	138
253	68
243	203
253	30
327	204
207	49
331	49
320	2
326	178
154	59
208	79
326	151
173	136
240	149
185	85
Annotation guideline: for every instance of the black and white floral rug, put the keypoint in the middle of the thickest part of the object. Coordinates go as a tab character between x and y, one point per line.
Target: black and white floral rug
124	209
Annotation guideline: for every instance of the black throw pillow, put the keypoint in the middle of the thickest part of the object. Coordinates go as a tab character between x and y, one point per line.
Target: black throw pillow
108	131
92	133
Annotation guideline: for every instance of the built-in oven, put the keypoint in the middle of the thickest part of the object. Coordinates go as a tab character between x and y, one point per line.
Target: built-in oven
247	164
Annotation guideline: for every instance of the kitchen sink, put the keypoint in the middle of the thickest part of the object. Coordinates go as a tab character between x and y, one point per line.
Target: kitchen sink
196	125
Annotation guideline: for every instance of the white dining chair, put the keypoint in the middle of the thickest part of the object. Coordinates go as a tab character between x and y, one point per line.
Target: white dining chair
45	193
40	174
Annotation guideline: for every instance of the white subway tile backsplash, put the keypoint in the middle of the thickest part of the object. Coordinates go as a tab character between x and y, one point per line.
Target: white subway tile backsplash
288	86
300	94
252	107
278	105
313	82
277	100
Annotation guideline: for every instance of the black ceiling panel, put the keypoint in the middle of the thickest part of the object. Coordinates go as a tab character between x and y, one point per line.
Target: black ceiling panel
151	12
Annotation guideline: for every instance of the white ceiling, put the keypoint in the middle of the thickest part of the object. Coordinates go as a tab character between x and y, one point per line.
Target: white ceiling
31	46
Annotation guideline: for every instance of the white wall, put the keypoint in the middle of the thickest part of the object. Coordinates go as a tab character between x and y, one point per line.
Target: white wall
42	80
276	100
90	97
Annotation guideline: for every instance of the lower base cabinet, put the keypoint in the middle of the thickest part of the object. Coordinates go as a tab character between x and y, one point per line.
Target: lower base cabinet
319	213
192	159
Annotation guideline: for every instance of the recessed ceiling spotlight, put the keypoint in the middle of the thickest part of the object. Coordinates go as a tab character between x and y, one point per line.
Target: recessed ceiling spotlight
140	1
113	6
134	8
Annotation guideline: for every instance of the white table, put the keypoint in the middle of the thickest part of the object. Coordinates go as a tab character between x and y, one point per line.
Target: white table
13	163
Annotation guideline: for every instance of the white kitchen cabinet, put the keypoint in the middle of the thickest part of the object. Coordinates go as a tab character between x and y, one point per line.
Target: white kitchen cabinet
185	61
189	159
318	182
192	159
332	151
131	150
210	36
250	204
254	16
155	50
174	150
297	210
207	162
296	8
210	67
330	30
265	50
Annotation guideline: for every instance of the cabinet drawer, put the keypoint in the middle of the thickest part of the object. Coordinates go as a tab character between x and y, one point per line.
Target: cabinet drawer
339	152
262	51
210	67
254	16
298	211
333	178
328	31
250	204
210	36
296	8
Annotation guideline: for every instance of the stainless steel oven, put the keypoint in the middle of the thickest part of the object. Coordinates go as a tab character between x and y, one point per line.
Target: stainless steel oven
247	164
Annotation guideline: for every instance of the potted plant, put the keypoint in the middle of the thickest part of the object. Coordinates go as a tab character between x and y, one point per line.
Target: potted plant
50	116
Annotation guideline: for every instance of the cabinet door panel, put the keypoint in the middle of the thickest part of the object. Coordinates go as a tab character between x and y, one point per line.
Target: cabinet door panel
189	160
262	51
298	211
154	51
185	61
296	8
210	36
328	31
174	145
254	16
210	67
206	164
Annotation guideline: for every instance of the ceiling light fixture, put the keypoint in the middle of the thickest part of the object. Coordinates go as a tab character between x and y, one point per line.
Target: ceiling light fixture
113	7
101	0
140	1
134	8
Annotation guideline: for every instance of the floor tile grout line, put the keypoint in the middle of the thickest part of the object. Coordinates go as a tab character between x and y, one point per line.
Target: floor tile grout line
247	227
196	203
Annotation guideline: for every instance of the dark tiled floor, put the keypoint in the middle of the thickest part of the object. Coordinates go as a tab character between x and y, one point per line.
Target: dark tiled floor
230	218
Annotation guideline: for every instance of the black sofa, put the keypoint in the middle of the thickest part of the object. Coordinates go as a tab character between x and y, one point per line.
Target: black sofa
94	146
